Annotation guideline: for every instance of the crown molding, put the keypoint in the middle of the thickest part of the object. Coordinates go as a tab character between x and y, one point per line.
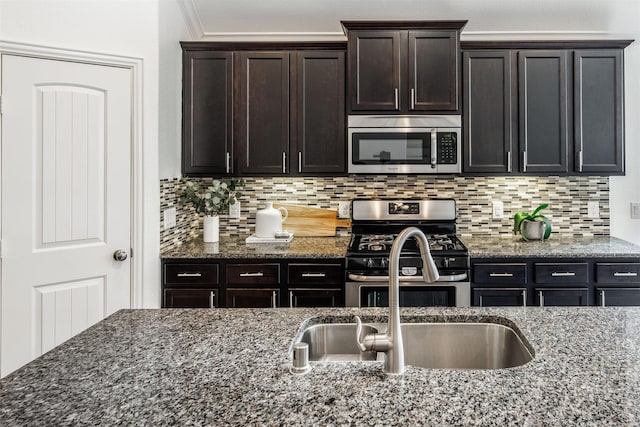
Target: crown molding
192	19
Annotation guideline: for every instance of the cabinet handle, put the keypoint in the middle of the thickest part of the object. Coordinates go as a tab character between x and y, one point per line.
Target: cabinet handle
563	274
625	274
508	161
541	298
189	274
602	302
524	161
500	274
284	162
395	96
257	274
580	161
317	275
413	99
274	299
524	297
299	161
228	160
212	297
290	298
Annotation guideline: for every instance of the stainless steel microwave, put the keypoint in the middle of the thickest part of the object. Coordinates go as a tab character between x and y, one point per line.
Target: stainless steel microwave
405	144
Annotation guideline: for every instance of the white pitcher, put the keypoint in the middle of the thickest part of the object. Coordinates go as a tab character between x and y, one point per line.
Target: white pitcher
269	221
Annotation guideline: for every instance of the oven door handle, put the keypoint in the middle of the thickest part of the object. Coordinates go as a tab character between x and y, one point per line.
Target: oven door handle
443	278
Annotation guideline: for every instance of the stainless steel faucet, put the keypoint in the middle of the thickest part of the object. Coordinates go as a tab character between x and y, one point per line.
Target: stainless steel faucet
390	342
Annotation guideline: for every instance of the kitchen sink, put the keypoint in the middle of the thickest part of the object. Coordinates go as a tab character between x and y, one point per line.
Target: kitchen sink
426	345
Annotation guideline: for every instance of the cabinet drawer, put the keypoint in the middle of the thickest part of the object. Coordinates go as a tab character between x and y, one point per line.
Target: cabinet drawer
561	273
253	274
190	274
500	273
315	274
618	272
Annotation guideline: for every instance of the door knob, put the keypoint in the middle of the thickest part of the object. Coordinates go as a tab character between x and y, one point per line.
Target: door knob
120	255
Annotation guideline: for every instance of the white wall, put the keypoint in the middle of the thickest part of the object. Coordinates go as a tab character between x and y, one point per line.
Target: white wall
117	27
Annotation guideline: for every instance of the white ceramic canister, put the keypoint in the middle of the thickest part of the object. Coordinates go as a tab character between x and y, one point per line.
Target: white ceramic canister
269	221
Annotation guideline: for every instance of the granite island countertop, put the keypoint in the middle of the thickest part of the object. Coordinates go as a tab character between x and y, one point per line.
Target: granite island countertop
557	246
230	367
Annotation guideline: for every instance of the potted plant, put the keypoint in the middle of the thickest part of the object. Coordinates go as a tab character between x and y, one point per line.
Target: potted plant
532	226
211	200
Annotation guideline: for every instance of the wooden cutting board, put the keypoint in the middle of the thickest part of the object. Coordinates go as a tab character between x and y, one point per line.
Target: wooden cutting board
304	221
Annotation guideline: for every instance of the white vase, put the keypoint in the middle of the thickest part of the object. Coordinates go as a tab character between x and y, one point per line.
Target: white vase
211	229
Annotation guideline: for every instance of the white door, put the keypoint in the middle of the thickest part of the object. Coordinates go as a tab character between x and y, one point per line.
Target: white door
65	201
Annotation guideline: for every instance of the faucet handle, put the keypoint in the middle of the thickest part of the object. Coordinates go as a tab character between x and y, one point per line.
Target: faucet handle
359	337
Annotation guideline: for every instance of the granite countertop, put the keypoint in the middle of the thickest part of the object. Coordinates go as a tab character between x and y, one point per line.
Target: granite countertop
230	367
235	247
557	246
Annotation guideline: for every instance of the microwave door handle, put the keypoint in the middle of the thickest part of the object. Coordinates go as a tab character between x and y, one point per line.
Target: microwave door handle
434	148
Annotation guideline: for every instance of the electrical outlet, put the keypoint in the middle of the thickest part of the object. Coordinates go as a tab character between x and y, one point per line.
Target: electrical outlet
169	219
498	210
635	210
593	210
344	209
234	210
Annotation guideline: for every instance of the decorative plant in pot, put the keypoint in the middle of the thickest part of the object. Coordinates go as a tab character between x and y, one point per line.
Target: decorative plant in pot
211	200
533	226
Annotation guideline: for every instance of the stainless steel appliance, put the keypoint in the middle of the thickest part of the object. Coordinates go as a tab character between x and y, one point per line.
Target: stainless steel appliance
405	144
375	223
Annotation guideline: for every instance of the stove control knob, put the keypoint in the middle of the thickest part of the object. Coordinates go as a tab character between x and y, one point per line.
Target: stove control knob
384	263
370	263
445	262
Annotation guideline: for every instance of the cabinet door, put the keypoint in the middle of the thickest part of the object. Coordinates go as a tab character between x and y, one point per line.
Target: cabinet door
561	296
488	111
598	107
543	97
252	297
374	70
499	297
263	140
207	113
317	115
190	298
433	71
623	297
315	298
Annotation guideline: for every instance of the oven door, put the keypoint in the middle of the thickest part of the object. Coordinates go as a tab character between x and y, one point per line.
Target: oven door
412	294
404	150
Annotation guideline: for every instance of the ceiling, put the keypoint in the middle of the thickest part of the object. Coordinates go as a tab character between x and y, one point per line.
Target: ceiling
320	19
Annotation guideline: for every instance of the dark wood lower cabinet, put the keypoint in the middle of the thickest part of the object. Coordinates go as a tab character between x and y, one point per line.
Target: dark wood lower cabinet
561	296
499	297
315	298
617	297
253	297
191	298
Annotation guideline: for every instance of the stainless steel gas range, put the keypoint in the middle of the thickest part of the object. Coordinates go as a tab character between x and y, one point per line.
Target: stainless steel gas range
375	223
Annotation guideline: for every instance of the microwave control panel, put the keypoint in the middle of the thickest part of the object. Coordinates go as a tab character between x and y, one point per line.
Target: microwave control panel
447	148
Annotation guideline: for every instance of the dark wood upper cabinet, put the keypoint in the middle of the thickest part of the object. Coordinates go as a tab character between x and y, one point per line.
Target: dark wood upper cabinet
403	67
543	111
269	109
263	125
318	113
489	81
434	70
207	140
598	111
374	70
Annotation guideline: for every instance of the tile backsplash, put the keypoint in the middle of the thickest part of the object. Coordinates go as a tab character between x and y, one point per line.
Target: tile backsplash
567	198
